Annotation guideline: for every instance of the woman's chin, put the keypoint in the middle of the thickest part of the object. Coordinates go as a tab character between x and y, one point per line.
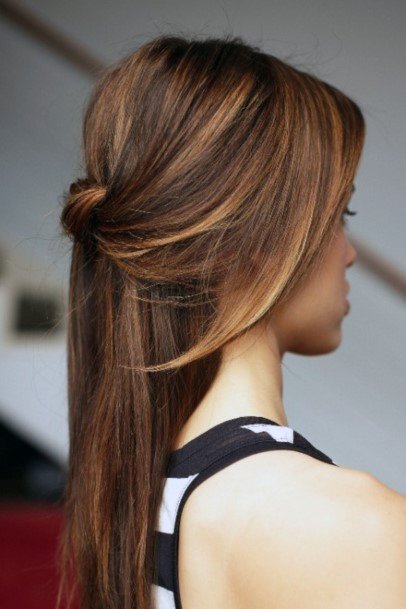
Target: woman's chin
326	342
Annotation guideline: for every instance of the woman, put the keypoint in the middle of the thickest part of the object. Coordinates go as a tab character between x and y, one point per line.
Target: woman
208	240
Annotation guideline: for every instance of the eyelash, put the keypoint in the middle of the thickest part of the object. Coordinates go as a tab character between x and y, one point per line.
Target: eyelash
348	212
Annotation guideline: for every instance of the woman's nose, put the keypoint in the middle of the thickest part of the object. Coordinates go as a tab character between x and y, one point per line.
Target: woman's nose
351	255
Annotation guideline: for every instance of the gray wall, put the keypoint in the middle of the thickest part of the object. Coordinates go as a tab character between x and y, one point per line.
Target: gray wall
351	403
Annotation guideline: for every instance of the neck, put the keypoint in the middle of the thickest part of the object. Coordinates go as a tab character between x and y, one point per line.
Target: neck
249	381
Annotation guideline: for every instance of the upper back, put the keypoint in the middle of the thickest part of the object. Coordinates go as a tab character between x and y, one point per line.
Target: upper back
233	502
199	478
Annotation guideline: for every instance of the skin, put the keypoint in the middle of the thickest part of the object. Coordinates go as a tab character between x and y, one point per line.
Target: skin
250	379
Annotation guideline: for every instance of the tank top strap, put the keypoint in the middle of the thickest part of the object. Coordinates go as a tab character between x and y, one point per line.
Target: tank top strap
196	461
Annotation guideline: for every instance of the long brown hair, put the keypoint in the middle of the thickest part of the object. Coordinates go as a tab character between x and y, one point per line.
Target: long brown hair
215	175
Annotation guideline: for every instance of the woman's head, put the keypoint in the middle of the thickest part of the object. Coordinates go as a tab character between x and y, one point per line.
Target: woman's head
216	176
223	172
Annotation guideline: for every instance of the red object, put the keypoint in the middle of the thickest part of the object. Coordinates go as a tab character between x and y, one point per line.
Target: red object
28	556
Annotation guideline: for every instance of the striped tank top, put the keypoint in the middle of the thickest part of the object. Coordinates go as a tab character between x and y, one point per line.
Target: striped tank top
196	461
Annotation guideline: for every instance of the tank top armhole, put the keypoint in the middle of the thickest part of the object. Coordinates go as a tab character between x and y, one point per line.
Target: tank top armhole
192	464
245	450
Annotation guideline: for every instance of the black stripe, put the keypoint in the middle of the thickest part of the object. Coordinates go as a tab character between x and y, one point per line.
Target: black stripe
164	548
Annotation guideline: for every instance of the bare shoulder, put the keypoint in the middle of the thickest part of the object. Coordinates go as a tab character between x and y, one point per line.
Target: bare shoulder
303	532
283	477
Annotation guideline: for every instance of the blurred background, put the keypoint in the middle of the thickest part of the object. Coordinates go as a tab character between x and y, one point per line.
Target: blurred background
351	403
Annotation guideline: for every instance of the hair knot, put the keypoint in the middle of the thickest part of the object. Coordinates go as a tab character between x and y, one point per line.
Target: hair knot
79	215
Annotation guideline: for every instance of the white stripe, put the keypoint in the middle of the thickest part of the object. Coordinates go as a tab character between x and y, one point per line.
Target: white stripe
173	491
162	598
279	433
